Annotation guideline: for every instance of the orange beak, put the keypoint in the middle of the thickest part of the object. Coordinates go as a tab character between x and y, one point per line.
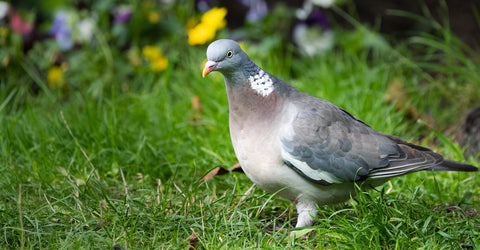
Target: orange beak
209	67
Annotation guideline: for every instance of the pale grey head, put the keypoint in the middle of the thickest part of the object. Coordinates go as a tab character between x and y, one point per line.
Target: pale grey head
226	57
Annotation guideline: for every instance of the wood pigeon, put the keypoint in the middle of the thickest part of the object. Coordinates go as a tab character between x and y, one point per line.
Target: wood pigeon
308	150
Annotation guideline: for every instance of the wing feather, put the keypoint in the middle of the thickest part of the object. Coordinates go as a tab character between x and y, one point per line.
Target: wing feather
328	145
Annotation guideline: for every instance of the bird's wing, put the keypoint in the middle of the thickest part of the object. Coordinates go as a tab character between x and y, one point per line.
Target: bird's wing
327	145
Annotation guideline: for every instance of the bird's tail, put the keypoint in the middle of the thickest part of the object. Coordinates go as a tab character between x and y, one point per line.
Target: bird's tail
448	165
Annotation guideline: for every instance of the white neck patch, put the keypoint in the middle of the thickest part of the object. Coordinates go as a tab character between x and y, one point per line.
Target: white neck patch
261	83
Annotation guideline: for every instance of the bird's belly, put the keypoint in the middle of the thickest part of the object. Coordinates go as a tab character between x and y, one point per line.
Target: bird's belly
263	164
286	183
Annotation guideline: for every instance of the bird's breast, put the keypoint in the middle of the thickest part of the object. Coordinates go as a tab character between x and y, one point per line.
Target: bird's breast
256	144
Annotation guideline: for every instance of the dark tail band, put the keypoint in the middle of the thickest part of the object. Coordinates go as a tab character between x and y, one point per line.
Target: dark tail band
448	165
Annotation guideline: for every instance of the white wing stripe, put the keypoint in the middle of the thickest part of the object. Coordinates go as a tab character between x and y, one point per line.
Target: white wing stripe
311	173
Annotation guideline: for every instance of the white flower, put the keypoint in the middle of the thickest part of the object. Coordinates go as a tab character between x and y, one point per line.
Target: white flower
85	29
312	40
323	3
4	6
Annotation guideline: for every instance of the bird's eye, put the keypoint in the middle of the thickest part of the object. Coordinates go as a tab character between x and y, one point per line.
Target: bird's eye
229	53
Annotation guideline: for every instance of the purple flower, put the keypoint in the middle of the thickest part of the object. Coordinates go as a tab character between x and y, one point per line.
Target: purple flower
317	17
59	21
61	31
258	9
122	14
203	5
64	39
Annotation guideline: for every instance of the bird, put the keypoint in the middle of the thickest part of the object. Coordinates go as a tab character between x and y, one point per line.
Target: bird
303	148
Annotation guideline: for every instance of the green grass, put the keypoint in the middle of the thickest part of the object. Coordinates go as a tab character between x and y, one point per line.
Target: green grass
103	166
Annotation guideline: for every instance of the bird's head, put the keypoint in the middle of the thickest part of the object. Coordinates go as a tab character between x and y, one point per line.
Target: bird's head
224	56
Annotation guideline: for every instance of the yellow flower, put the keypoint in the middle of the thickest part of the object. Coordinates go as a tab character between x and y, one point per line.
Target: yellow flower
153	16
191	23
200	34
55	76
154	56
3	39
242	46
3	31
212	21
215	18
151	52
159	64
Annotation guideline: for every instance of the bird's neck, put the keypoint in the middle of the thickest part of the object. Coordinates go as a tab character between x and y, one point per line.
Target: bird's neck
254	94
252	76
248	106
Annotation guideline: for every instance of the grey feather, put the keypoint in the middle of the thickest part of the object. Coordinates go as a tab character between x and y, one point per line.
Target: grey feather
336	141
327	138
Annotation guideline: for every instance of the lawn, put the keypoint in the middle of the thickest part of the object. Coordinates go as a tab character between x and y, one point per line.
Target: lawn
118	158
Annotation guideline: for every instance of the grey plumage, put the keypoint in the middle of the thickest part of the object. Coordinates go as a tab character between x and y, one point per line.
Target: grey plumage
310	149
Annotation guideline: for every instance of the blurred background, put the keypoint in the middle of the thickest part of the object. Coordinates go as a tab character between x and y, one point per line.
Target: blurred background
62	46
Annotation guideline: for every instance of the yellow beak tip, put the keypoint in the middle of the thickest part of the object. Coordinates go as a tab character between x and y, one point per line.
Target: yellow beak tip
209	66
205	72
